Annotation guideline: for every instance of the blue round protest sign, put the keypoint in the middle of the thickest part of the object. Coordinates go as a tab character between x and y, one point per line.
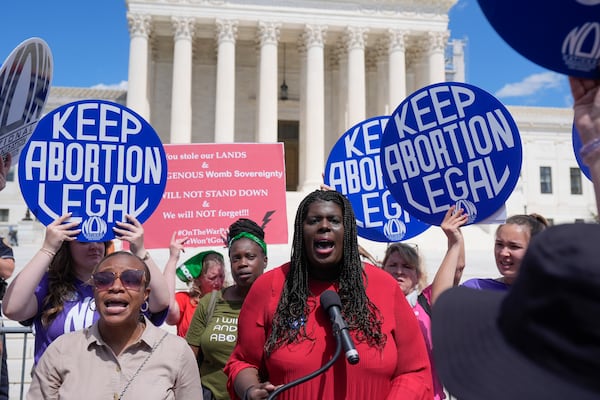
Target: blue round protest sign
451	144
563	36
97	160
354	169
576	149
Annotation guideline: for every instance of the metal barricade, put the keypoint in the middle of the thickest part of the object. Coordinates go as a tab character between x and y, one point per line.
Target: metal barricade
24	330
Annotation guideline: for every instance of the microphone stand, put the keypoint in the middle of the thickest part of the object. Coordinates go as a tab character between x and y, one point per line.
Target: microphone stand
338	351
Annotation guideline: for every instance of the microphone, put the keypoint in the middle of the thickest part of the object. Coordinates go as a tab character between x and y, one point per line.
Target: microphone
330	301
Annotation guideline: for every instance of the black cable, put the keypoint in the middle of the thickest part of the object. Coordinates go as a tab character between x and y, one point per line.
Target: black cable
338	351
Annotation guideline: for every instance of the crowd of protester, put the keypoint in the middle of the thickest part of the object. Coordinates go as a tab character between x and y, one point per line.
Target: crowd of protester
97	312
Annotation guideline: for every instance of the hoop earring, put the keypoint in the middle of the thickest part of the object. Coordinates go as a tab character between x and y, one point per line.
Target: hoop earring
145	306
92	305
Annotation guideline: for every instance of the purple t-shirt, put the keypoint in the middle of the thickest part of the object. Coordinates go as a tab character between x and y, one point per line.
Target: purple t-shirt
75	315
486	284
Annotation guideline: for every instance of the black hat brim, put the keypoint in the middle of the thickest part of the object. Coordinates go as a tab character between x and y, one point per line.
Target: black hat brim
475	362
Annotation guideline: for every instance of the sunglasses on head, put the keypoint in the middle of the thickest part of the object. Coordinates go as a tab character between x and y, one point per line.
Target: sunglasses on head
130	278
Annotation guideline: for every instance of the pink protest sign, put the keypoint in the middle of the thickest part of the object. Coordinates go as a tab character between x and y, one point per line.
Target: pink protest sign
209	186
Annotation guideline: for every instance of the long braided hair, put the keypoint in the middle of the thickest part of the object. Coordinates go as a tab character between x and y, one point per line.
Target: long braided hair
359	312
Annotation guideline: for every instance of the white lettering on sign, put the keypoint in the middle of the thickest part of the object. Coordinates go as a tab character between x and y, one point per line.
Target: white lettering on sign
133	164
363	172
91	157
103	129
480	135
481	180
359	173
463	98
447	149
577	42
374	203
369	132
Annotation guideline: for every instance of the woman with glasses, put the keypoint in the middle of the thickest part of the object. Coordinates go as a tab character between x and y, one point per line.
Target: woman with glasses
53	293
122	355
403	262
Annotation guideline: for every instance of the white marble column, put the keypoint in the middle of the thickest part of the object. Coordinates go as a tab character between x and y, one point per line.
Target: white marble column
342	93
314	134
302	145
181	100
355	42
372	82
268	37
225	92
334	117
435	52
418	67
397	68
382	92
137	92
458	60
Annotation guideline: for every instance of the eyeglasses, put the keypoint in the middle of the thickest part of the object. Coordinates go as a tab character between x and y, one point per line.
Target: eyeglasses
130	278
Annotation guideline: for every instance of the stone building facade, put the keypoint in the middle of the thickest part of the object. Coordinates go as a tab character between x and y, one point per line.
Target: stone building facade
213	71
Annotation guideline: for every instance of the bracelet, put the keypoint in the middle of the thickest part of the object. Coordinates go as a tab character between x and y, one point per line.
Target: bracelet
589	149
49	253
246	392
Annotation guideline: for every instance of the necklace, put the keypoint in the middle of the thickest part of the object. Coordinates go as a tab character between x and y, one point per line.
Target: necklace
140	367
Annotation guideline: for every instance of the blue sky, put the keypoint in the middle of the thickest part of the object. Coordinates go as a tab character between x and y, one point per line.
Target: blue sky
89	41
495	67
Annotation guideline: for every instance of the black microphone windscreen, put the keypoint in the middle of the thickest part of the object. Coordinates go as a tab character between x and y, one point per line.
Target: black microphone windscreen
330	298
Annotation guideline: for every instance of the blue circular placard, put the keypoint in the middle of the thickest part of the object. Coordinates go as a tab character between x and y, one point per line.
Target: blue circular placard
451	144
563	36
576	140
96	159
354	169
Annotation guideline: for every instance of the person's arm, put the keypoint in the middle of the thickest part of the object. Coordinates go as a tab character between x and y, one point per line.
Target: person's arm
19	302
245	360
586	116
133	232
175	249
7	267
454	259
248	386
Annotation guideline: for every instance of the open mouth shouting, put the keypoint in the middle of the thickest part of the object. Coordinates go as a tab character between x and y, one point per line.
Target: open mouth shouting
324	247
115	306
